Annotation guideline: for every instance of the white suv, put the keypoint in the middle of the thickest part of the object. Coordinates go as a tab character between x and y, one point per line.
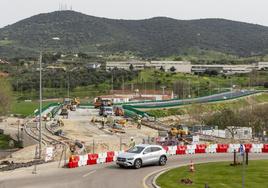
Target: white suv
143	154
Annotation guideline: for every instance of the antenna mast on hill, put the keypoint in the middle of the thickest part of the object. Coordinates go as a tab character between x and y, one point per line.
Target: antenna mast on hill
64	6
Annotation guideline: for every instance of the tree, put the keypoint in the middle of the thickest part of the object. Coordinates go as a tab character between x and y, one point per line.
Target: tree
5	96
172	69
162	69
179	87
265	84
226	119
131	67
211	72
196	114
178	58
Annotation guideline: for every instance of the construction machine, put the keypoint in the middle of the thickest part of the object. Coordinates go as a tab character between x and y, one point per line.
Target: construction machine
64	111
67	102
102	102
119	111
178	132
117	128
75	101
122	122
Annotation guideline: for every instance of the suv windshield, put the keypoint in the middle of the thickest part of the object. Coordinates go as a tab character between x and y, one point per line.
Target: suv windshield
135	149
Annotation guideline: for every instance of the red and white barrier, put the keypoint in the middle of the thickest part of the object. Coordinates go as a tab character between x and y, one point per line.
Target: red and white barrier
102	158
190	149
181	150
200	148
256	148
106	157
248	147
233	147
211	148
92	159
82	160
110	156
222	148
172	150
265	148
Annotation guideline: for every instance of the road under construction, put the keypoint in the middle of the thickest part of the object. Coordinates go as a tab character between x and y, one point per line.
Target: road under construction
83	129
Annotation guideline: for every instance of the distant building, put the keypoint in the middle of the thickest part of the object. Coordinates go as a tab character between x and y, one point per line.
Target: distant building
262	65
3	62
187	67
180	66
223	69
124	97
56	68
115	98
137	65
93	65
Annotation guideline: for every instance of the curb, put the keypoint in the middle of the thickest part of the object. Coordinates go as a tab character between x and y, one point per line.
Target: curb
162	171
158	173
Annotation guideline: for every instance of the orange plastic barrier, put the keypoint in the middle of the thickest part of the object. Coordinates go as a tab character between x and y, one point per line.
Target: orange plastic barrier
73	161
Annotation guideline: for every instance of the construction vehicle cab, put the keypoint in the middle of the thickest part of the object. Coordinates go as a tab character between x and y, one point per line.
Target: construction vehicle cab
106	111
102	102
75	101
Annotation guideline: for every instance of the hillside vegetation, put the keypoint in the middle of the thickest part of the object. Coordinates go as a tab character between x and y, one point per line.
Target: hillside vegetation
156	37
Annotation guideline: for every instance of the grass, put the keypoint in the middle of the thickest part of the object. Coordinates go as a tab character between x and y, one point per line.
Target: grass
218	175
261	98
6	42
4	141
25	108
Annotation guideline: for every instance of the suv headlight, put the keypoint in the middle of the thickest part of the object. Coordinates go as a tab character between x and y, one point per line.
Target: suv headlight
130	159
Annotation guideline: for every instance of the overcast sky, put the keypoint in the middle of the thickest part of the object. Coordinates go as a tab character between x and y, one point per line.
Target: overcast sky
252	11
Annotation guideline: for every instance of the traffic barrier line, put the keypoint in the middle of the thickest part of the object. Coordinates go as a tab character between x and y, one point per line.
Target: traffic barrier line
110	156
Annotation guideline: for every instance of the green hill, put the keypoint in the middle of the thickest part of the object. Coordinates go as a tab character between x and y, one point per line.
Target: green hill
156	37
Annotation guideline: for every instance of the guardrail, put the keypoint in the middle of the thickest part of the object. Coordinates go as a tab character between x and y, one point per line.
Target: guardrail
166	104
47	107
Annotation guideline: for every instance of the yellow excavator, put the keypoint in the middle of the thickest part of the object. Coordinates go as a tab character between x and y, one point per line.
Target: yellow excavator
178	131
75	101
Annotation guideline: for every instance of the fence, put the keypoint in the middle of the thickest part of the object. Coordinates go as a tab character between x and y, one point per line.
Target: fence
116	144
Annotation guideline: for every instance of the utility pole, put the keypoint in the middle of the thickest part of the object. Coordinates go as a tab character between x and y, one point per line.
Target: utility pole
40	106
68	85
189	85
112	82
243	173
163	90
198	89
231	87
123	86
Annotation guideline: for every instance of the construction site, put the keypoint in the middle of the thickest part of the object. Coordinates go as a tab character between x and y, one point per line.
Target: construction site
71	128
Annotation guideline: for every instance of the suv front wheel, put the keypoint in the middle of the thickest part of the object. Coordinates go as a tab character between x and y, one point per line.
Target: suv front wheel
137	163
162	160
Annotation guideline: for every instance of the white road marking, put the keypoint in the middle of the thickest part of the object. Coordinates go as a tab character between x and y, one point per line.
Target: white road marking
87	174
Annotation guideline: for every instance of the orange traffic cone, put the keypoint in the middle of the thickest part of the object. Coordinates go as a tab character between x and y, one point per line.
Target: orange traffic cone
191	167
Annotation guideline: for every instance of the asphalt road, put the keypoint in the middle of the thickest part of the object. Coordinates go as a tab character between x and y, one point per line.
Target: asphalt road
101	176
